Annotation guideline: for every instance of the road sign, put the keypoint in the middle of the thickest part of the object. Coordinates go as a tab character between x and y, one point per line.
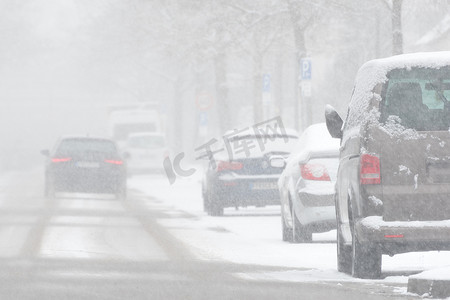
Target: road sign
204	101
266	83
305	68
306	89
203	118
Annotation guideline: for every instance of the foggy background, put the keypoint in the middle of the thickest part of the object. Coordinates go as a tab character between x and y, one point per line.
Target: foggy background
64	62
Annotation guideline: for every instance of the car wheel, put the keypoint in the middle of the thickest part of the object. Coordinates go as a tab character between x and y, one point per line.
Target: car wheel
286	232
49	191
206	204
300	234
121	193
215	205
366	259
344	253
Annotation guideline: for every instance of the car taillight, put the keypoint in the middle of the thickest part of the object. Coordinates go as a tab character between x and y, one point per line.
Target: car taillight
229	165
369	169
61	159
314	172
114	162
394	236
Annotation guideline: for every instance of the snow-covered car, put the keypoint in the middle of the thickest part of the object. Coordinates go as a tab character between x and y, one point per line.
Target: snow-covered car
145	152
393	183
246	178
84	164
306	185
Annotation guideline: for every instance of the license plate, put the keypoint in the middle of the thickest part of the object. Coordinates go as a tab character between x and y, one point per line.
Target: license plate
88	164
263	186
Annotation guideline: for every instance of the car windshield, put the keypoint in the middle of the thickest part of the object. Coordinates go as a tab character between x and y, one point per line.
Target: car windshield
146	142
85	145
419	97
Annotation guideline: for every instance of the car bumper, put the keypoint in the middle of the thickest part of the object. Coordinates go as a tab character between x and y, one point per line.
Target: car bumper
316	208
248	190
89	182
402	236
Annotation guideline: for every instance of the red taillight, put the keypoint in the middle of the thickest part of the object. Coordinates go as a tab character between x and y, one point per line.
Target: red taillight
314	172
229	165
114	162
394	236
61	159
370	169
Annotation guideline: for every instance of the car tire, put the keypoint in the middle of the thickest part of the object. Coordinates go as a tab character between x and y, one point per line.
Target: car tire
300	234
344	253
121	193
286	232
215	205
206	204
366	259
49	190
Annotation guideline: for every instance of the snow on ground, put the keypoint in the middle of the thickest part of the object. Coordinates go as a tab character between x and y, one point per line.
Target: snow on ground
253	236
435	274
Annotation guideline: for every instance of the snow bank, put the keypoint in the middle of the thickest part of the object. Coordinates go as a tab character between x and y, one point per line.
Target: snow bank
434	274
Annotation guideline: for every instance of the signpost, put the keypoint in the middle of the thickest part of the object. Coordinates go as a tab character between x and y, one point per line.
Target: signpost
306	90
305	70
266	94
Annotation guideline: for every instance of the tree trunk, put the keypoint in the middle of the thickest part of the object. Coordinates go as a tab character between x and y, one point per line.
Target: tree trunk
300	50
257	89
397	36
222	106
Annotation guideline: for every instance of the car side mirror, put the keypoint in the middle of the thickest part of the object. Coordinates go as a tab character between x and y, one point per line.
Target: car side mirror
126	155
334	122
277	161
45	152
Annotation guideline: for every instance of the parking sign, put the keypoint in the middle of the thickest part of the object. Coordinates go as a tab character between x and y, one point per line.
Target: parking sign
266	83
305	68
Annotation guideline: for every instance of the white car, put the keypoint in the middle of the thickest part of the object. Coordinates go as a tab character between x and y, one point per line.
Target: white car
306	185
146	152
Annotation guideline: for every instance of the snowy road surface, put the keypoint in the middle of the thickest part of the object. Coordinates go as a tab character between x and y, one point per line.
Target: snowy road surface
158	244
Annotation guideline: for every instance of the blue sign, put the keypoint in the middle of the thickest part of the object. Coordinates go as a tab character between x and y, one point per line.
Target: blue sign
305	68
203	118
266	83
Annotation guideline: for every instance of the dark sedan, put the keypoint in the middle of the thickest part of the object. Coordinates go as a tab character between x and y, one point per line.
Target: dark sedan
246	179
84	164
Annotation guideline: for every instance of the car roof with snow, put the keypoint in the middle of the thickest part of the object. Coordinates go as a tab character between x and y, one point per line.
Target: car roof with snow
316	140
375	72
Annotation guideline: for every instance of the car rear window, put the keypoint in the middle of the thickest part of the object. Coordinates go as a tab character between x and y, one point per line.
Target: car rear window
86	145
419	97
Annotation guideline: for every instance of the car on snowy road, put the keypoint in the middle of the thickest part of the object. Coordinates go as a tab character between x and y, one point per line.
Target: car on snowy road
145	152
84	164
247	178
393	183
306	185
